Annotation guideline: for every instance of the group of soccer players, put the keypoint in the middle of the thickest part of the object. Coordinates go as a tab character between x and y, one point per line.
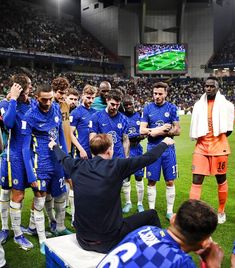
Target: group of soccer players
54	114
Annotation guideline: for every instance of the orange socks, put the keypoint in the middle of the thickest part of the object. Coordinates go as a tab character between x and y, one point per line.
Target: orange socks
223	195
195	192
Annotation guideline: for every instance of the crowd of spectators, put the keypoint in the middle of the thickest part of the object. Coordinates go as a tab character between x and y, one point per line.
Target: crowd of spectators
225	55
182	92
30	28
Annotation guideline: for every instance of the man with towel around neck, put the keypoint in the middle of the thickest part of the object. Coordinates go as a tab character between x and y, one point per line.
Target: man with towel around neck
211	124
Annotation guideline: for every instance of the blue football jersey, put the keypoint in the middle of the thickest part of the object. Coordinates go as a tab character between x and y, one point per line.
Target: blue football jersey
157	116
43	126
102	122
80	118
133	124
147	247
13	113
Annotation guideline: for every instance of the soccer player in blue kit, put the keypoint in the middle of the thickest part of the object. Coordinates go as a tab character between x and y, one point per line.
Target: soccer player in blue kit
160	119
151	247
111	121
45	175
79	121
135	149
13	114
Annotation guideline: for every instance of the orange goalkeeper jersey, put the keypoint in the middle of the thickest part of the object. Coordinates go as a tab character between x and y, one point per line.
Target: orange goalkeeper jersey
209	144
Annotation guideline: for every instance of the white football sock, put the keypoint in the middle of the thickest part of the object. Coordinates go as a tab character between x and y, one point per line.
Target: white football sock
59	205
170	198
140	191
152	193
49	206
71	200
15	213
39	217
4	208
126	188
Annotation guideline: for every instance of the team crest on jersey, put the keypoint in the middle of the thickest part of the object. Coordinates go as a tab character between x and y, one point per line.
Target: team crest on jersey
119	125
167	114
56	119
15	181
53	133
43	183
149	173
3	179
137	123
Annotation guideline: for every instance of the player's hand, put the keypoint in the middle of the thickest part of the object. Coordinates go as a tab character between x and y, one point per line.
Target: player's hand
233	261
83	154
166	127
16	89
168	141
51	144
212	255
34	184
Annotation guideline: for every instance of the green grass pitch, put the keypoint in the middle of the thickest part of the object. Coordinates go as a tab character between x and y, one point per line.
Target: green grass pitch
173	61
224	235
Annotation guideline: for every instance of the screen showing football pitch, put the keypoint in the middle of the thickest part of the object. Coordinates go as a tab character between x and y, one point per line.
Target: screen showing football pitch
161	58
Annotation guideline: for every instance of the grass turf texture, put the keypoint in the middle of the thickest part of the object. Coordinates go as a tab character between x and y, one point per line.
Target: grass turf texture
224	235
167	61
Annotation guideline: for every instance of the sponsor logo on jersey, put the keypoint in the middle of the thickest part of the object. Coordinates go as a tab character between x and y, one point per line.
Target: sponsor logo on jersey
159	123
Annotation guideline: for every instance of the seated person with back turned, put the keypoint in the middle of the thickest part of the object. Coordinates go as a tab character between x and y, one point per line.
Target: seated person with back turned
97	186
190	230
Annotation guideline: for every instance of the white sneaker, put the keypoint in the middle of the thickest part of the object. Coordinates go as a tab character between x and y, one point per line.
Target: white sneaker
221	218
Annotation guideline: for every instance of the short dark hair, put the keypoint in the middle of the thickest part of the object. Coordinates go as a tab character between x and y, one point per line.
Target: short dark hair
100	143
72	91
128	98
195	220
20	79
42	88
214	79
161	84
115	94
60	83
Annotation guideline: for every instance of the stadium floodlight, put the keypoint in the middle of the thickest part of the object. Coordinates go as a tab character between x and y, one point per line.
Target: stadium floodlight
58	3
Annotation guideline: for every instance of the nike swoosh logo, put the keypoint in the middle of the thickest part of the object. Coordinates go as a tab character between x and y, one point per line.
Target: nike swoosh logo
103	125
41	125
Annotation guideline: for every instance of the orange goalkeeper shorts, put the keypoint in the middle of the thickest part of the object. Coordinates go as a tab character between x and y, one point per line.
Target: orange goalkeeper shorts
209	165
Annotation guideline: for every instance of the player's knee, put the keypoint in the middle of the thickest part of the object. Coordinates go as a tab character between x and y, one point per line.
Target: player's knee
138	178
170	183
48	198
17	196
60	199
39	203
221	178
198	179
151	183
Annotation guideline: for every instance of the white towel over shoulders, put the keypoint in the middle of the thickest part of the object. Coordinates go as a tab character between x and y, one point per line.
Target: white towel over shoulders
222	116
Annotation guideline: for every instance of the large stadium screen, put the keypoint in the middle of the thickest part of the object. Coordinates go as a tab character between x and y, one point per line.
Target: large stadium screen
161	59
